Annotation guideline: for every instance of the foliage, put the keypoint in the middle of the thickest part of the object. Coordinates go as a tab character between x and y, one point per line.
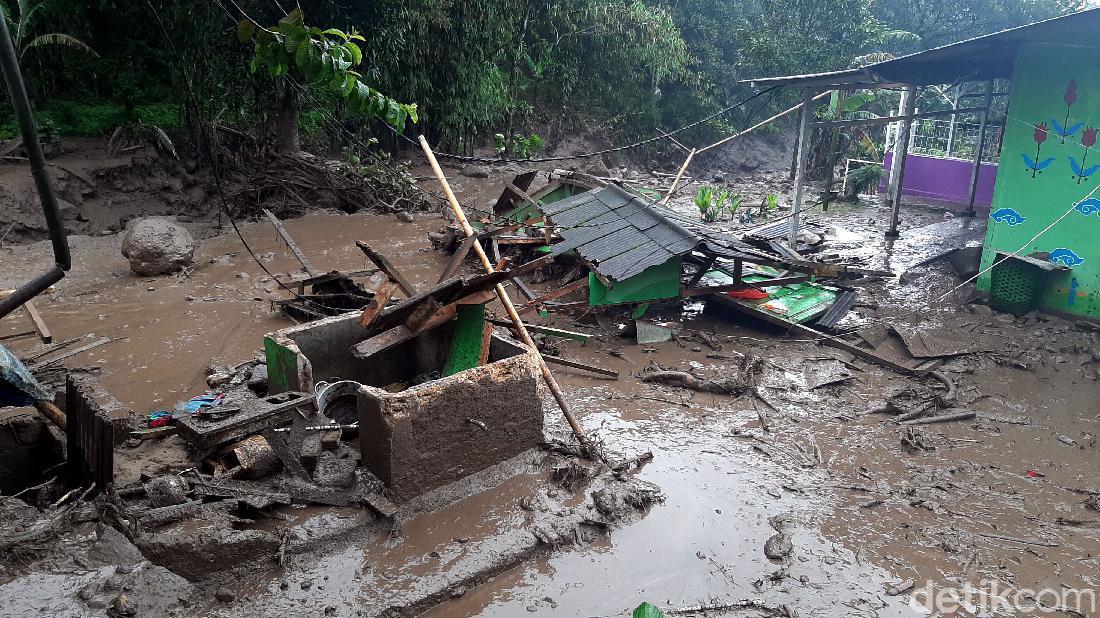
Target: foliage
771	202
713	203
647	610
20	22
321	58
931	23
523	147
139	131
863	178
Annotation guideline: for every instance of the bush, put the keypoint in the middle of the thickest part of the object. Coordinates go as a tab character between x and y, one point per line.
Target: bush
78	119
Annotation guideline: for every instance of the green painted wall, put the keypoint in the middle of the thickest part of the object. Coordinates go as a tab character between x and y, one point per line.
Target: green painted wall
1042	173
654	283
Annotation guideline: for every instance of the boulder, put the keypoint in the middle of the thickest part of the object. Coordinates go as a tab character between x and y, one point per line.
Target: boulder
157	247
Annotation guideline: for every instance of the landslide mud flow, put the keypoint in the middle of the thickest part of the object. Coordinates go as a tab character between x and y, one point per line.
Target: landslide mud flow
860	513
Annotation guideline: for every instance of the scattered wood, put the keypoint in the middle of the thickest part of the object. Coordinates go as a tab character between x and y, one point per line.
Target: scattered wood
382	295
959	415
36	319
457	259
569	288
294	248
84	348
546	330
387	267
565	362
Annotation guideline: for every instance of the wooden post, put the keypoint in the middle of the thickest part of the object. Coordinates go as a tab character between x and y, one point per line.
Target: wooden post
502	294
901	153
800	168
679	175
974	173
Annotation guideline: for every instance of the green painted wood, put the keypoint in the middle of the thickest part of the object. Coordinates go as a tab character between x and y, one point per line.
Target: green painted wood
654	283
282	368
466	342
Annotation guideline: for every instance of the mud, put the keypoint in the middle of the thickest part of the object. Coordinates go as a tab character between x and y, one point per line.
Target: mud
1003	497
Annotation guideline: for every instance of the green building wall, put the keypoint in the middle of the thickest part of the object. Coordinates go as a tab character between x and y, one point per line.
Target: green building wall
1049	164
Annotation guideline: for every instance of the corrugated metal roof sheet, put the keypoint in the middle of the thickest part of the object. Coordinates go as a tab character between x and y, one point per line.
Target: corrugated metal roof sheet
618	232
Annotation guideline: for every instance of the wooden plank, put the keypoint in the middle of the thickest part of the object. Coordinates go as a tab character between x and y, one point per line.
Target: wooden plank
521	182
297	251
381	296
703	268
546	330
400	334
486	343
387	267
579	284
58	359
36	319
687	292
457	259
520	240
565	362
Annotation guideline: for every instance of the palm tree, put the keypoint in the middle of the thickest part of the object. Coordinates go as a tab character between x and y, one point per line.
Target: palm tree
19	24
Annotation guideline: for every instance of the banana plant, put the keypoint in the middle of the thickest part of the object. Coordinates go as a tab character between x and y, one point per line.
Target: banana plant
19	25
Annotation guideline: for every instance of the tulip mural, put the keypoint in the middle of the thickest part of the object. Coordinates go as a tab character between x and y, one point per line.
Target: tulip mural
1035	165
1064	129
1080	172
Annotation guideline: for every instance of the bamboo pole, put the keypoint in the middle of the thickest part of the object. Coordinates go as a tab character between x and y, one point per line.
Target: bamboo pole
679	175
502	294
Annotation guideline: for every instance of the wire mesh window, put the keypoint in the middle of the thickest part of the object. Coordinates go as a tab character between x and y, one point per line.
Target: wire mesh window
937	137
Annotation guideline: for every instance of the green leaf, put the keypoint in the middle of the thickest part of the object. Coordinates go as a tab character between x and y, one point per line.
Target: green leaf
294	17
356	53
646	610
413	113
245	30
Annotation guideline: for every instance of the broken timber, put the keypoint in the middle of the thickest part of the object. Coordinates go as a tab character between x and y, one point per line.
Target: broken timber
460	216
387	267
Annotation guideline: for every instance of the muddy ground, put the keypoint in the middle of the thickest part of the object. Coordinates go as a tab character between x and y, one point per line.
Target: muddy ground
1008	497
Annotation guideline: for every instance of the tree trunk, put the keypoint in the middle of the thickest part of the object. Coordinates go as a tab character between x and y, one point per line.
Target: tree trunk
286	120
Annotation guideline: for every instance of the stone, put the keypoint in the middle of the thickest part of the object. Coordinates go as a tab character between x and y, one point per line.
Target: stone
405	216
983	310
122	606
224	596
157	246
778	546
258	380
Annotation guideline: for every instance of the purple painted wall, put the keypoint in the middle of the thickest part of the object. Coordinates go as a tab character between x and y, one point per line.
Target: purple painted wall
946	180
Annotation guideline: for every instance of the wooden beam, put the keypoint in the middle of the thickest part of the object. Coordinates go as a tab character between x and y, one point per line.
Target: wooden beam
679	175
521	240
565	362
297	251
579	284
457	259
387	267
703	268
546	330
381	296
36	319
400	334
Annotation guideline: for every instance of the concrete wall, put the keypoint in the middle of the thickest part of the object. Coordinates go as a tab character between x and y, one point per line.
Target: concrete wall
944	180
441	431
1049	140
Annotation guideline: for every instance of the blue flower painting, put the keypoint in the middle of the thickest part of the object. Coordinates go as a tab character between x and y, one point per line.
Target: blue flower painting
1066	257
1007	215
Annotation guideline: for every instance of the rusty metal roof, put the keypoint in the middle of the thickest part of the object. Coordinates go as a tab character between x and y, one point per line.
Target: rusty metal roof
619	233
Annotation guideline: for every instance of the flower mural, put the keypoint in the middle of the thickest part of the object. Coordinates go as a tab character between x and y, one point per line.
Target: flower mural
1070	99
1040	136
1080	172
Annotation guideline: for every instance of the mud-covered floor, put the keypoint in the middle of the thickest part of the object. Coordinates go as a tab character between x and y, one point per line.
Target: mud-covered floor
999	498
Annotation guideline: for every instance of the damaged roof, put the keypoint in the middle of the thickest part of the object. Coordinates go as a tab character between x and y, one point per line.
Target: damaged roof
619	233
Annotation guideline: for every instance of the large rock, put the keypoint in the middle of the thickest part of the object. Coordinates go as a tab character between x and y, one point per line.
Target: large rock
157	247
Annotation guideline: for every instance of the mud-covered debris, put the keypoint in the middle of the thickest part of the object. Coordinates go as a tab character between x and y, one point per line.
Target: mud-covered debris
619	501
900	588
778	546
909	399
225	596
122	606
744	379
572	475
915	441
166	490
1093	502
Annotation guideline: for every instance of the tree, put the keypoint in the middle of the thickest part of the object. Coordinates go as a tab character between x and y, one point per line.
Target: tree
20	22
940	22
303	56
